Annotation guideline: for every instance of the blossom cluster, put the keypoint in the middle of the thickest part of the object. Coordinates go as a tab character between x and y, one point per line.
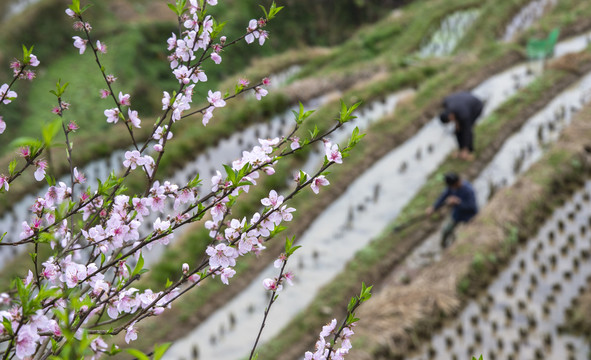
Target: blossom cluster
324	349
97	236
20	71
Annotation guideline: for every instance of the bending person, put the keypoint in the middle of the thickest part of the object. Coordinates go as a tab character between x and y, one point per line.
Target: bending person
461	197
462	109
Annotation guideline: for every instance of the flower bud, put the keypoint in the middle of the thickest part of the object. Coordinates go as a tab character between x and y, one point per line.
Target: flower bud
223	40
185	268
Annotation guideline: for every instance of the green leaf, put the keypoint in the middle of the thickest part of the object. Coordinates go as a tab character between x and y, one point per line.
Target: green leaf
139	266
345	114
273	10
217	29
195	182
289	248
12	167
314	133
138	354
27	54
264	11
26	141
7	325
351	319
231	174
159	350
85	8
75	7
352	304
277	230
50	130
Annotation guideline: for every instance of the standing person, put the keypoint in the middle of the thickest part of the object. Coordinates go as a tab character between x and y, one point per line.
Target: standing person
461	197
462	109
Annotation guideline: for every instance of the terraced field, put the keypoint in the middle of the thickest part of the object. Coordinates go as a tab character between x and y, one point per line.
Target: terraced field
499	290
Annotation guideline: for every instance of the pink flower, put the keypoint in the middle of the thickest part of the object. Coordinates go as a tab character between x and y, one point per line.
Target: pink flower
234	231
24	151
131	334
183	74
285	213
171	42
111	79
263	35
101	47
74	273
26	342
289	277
328	328
215	99
243	82
266	81
133	159
207	115
28	75
133	117
2	125
33	61
221	256
105	93
332	153
160	227
272	285
226	274
79	177
259	92
112	115
273	200
70	13
124	99
4	182
40	172
295	143
80	43
216	58
212	2
280	260
98	345
7	95
317	182
251	31
165	100
72	126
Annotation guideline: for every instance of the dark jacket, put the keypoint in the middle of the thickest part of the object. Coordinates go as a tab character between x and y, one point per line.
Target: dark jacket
467	208
467	108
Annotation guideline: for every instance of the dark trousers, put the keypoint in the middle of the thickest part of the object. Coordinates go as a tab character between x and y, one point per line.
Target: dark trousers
465	136
465	142
447	233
